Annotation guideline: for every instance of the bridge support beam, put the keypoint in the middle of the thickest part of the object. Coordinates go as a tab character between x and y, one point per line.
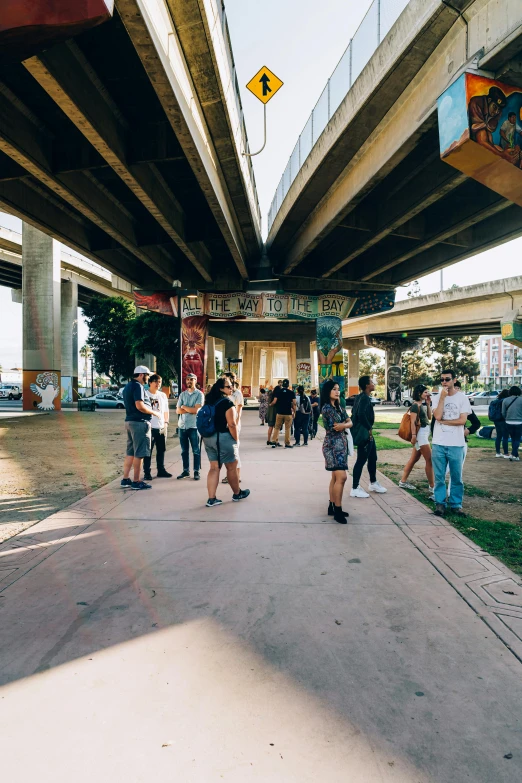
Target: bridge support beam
211	360
41	279
352	382
69	341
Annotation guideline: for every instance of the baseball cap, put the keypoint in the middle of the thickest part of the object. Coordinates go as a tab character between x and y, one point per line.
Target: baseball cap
191	375
141	369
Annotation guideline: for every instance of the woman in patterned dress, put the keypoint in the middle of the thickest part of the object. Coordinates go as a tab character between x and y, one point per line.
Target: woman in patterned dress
263	405
335	447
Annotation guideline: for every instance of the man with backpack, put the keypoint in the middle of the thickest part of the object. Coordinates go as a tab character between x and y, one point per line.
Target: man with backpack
284	400
363	418
218	426
512	413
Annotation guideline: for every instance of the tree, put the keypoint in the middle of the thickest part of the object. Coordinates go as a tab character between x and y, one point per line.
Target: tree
371	363
415	289
159	335
457	353
86	354
415	369
108	320
98	382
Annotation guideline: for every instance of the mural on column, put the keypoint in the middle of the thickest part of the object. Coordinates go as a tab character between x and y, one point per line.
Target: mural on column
41	390
480	132
194	331
329	338
304	373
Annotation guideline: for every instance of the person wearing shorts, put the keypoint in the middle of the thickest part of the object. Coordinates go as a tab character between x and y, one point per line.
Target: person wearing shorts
420	414
222	447
137	425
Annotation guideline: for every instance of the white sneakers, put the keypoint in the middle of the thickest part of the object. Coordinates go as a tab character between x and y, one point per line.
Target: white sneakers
406	485
358	493
376	487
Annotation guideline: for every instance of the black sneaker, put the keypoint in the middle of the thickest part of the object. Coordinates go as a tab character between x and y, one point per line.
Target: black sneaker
241	495
458	512
196	475
185	474
440	510
164	474
140	485
125	483
214	502
147	477
289	446
297	444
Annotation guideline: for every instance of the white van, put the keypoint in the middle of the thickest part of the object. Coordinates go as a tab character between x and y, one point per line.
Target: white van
10	391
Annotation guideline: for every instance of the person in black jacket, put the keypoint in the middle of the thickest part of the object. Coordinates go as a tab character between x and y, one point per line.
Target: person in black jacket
362	413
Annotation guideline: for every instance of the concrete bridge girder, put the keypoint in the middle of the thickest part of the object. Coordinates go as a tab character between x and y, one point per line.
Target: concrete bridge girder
343	223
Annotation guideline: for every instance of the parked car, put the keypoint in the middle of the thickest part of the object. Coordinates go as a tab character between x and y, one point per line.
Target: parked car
10	392
107	400
484	398
374	400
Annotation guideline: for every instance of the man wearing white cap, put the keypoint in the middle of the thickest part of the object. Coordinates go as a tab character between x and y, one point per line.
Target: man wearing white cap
137	424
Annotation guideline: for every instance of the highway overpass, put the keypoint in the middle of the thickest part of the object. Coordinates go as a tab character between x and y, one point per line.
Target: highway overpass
369	198
472	310
125	143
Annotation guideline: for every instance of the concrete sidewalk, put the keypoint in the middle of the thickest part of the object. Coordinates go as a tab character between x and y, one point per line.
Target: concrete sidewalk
145	637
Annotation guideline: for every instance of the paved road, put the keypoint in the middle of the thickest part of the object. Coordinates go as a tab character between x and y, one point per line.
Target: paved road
147	638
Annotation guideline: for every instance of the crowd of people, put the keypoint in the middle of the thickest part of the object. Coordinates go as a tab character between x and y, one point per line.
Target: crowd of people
214	420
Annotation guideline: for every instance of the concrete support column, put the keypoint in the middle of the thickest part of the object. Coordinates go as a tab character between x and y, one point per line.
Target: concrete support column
353	347
42	363
256	367
303	362
69	341
292	363
211	360
248	364
269	366
231	350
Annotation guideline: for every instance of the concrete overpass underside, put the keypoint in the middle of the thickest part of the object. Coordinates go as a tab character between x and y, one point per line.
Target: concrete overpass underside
373	201
124	143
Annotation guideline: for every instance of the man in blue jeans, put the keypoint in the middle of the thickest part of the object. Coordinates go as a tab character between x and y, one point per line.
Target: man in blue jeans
189	402
450	410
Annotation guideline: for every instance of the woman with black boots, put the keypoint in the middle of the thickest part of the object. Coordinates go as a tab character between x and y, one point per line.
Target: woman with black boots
335	447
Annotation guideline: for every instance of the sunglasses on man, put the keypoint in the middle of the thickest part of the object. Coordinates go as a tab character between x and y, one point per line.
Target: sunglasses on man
446	380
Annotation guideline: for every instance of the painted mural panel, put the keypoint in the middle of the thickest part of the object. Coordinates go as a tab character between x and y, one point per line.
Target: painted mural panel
480	132
304	373
194	332
41	390
329	339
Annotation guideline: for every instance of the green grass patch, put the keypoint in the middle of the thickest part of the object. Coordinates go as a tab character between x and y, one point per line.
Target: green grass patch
382	442
387	425
501	539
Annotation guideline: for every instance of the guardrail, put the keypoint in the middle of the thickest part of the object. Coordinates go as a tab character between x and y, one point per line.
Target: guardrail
379	19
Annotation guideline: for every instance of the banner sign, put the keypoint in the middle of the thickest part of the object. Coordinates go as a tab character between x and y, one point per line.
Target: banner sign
265	306
304	373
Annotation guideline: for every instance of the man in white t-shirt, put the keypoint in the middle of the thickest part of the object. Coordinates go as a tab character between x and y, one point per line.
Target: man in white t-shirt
159	403
450	411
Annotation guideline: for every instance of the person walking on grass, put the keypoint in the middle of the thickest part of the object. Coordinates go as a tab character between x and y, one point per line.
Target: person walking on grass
451	413
302	417
420	415
363	415
222	447
512	412
501	433
284	402
137	425
189	402
335	447
159	425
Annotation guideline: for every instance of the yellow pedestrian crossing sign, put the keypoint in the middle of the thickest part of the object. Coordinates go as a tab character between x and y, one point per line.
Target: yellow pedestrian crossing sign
264	85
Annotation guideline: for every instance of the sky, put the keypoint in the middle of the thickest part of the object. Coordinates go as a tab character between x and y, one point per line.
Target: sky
301	41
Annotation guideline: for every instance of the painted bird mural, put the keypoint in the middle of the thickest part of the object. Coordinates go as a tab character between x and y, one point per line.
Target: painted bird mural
46	387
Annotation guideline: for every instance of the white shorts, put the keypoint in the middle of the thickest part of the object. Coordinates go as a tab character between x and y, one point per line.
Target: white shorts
423	437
